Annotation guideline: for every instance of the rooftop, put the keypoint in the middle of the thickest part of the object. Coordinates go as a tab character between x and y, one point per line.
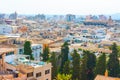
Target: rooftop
13	35
23	59
100	77
35	44
5	50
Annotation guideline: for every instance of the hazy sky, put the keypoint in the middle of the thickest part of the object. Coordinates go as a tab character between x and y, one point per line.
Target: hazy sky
60	6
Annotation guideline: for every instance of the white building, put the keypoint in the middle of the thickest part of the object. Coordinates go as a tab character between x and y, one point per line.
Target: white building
5	29
37	49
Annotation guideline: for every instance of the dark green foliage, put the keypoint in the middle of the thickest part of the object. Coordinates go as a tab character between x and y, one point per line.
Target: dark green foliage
64	55
91	63
101	64
66	68
46	54
113	62
28	50
53	60
76	66
118	47
83	68
85	71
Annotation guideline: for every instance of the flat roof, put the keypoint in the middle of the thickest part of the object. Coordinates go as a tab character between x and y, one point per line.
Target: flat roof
102	77
22	59
46	41
5	50
13	35
35	44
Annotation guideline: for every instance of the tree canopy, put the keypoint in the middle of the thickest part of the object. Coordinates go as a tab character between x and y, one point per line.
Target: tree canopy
28	50
76	66
46	54
113	62
64	55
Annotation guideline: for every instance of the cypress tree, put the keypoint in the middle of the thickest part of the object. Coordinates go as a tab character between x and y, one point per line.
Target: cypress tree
101	64
53	60
76	66
83	68
64	55
28	50
66	68
46	53
91	63
113	62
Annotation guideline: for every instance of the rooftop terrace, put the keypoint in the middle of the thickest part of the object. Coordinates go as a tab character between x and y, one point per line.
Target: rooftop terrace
25	60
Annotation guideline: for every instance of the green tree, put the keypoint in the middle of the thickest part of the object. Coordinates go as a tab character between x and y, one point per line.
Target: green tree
28	50
66	68
101	64
64	55
83	68
91	63
76	66
113	62
53	60
46	54
118	47
63	77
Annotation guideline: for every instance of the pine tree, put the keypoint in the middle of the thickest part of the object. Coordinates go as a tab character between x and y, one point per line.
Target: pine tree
66	68
64	55
76	66
53	60
101	64
28	50
113	62
83	68
46	53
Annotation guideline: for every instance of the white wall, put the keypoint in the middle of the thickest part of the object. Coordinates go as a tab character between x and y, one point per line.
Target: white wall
5	29
36	50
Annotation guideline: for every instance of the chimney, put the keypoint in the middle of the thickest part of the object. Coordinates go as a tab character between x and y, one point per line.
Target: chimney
106	73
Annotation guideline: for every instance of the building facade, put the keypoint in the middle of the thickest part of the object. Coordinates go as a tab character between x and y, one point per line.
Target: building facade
22	68
5	29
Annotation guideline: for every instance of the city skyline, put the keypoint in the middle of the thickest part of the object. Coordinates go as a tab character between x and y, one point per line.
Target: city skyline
60	7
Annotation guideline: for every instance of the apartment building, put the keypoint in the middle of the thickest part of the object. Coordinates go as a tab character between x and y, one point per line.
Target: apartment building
5	73
5	29
19	67
37	49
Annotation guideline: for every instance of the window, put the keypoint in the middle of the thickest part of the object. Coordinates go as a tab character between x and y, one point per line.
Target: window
32	48
47	71
40	47
37	47
9	70
30	74
20	51
38	74
9	53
